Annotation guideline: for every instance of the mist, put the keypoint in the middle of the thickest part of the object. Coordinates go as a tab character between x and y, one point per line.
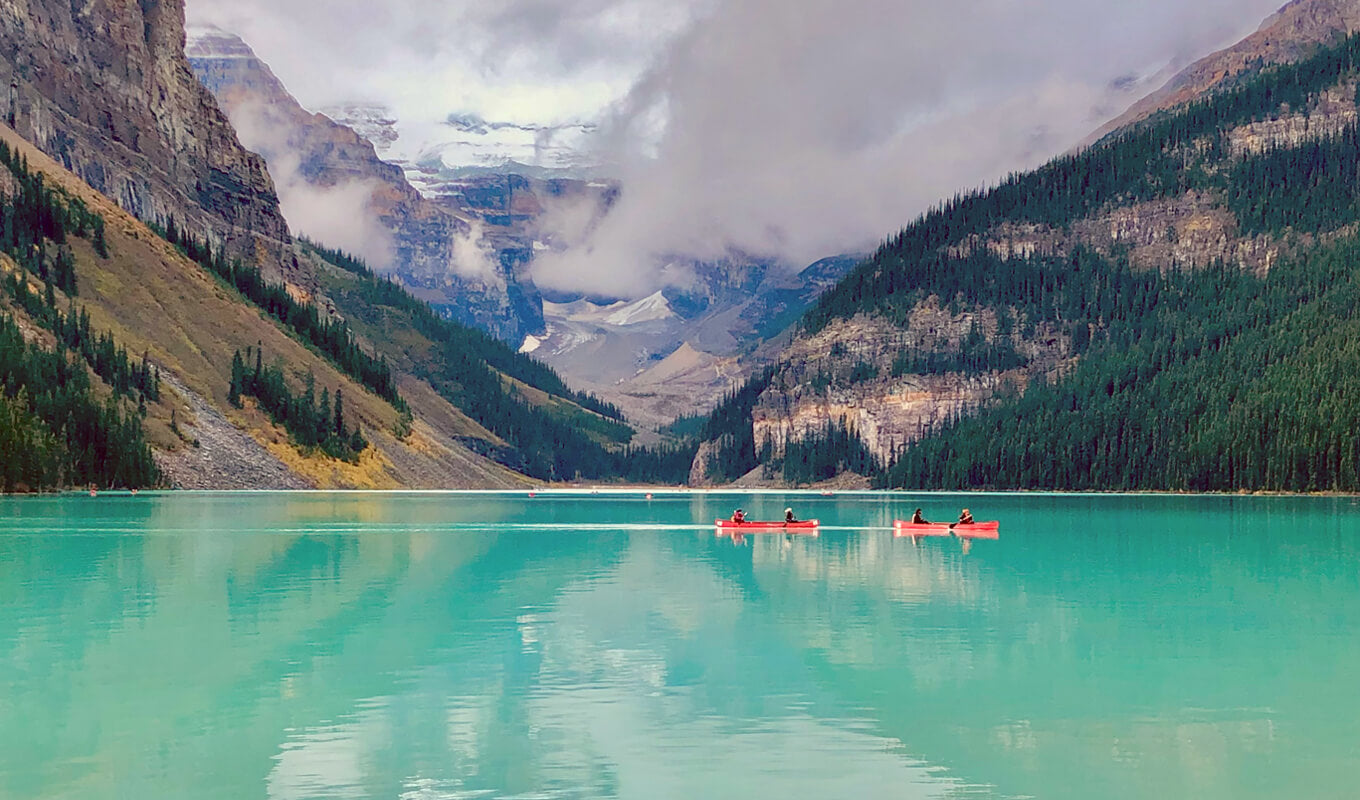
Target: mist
751	128
339	216
797	134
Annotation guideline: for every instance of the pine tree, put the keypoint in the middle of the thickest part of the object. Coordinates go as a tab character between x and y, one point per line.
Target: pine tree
236	387
340	413
101	245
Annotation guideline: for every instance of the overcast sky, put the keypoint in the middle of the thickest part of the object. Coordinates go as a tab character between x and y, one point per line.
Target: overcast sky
788	128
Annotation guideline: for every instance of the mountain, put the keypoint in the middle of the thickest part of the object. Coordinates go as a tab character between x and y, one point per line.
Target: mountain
465	144
433	247
189	349
675	352
107	93
503	215
147	298
1171	308
1289	34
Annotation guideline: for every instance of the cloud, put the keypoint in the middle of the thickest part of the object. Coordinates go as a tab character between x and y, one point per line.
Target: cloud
474	258
784	130
799	131
533	61
338	216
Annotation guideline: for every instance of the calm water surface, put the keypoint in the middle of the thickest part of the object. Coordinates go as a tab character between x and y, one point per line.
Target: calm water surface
477	646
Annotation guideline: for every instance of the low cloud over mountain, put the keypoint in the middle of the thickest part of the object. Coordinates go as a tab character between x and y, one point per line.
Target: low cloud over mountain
749	126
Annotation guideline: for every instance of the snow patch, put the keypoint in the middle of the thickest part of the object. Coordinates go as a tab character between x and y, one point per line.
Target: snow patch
648	309
621	314
531	343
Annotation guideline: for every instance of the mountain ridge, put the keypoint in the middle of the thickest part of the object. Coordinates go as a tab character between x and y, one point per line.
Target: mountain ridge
265	383
145	277
1284	36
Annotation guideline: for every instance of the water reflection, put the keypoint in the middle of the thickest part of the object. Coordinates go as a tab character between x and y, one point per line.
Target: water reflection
454	646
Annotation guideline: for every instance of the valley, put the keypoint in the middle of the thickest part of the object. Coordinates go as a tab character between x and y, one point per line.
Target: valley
347	253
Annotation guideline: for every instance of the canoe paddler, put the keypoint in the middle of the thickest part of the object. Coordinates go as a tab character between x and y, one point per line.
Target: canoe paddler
917	519
739	516
788	516
965	518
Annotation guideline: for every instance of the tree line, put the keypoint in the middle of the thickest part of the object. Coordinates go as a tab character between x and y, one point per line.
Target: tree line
55	431
1311	187
821	455
313	424
332	338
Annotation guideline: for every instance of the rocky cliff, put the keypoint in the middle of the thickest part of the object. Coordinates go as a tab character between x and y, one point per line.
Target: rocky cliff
452	258
104	88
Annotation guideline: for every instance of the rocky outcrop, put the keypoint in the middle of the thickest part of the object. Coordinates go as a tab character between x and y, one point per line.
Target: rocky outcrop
698	471
455	260
104	88
1186	232
221	455
846	373
1329	115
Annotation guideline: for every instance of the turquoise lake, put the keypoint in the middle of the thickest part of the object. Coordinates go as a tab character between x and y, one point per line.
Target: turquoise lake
425	646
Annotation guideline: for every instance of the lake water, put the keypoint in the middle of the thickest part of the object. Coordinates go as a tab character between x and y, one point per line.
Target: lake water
479	645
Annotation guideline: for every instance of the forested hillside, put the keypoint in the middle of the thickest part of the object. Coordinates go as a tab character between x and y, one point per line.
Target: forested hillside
546	430
383	393
1124	360
70	413
184	309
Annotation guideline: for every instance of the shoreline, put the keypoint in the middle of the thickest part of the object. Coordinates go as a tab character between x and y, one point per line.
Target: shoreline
643	490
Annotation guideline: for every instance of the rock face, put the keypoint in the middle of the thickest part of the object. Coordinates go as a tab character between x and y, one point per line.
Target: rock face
434	247
1190	231
103	87
846	373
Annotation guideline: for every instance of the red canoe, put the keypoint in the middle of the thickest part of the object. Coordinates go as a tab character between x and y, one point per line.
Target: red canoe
728	526
978	530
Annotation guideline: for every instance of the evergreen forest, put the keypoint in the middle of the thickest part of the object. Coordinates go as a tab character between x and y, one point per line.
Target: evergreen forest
58	427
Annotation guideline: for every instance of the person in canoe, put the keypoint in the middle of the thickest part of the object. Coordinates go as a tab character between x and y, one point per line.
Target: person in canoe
965	518
788	516
917	519
739	516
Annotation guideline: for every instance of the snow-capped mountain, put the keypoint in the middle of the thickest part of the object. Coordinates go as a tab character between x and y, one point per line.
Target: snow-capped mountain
335	188
464	145
468	203
373	121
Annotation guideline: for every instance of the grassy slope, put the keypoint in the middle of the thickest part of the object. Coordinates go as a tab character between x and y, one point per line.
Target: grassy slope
407	349
389	331
158	423
154	300
601	430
